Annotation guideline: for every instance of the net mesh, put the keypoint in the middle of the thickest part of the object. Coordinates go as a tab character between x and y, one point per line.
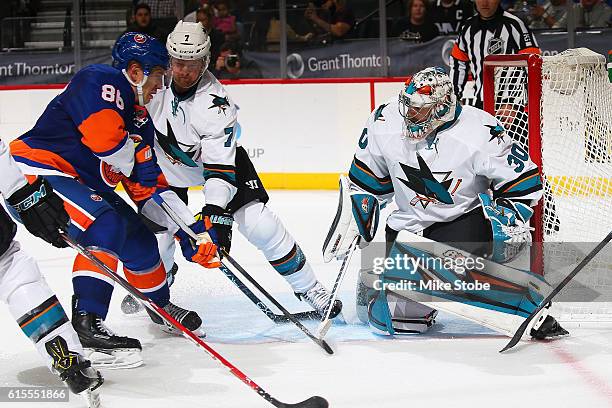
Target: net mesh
576	154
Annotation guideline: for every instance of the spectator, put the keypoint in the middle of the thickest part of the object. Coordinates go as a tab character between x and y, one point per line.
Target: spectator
491	31
205	16
416	25
161	8
231	64
448	15
141	22
164	15
225	22
592	14
266	32
333	20
552	14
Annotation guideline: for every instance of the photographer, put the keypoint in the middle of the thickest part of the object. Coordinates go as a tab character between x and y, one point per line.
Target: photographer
232	65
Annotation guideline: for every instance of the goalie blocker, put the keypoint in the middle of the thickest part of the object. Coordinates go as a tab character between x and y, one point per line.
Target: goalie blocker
357	216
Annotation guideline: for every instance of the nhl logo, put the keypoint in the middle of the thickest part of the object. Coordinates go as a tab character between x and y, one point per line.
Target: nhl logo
496	46
364	205
140	39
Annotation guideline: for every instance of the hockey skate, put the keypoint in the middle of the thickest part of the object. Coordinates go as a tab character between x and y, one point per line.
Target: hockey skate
129	304
103	347
549	329
318	298
76	371
187	318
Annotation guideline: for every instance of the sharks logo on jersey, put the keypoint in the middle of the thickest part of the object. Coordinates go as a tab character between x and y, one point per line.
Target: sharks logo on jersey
176	108
428	187
497	133
219	102
378	115
177	153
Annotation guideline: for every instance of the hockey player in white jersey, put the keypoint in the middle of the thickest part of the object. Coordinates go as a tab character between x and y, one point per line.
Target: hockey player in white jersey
439	160
22	287
196	126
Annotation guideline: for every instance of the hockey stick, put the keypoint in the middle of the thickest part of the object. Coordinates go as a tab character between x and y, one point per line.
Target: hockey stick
182	225
130	305
276	318
519	332
326	321
312	402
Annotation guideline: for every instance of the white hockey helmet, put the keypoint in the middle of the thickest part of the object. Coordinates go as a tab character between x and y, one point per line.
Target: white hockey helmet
189	41
426	103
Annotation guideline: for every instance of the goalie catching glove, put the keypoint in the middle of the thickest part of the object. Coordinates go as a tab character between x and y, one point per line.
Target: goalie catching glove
357	216
204	250
510	226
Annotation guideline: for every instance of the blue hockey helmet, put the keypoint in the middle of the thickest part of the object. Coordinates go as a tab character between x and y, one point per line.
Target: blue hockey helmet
142	48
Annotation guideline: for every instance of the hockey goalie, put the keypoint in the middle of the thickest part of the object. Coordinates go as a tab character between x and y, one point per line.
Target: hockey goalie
464	191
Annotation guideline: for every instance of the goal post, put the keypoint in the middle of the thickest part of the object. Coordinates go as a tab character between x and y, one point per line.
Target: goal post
559	108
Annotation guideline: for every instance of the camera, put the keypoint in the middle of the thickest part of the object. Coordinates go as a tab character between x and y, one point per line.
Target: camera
231	60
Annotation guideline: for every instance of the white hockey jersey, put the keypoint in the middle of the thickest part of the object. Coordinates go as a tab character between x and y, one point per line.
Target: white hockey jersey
195	138
12	178
439	179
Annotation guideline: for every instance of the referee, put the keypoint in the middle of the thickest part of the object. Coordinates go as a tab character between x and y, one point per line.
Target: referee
491	31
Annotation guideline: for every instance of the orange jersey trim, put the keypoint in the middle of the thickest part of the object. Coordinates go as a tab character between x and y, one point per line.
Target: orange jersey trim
103	131
21	149
458	54
530	50
148	280
83	264
78	217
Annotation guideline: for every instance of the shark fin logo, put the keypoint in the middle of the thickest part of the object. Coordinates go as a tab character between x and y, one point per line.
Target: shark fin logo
219	102
430	187
378	115
497	133
176	152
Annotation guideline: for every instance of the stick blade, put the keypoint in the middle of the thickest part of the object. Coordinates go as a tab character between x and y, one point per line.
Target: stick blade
326	347
312	402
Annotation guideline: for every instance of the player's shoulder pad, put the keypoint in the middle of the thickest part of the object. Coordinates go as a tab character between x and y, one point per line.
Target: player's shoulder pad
384	121
212	97
480	128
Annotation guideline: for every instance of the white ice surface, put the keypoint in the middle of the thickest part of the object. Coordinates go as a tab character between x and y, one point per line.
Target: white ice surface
456	365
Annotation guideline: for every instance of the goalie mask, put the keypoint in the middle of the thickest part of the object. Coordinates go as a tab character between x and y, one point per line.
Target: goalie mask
426	103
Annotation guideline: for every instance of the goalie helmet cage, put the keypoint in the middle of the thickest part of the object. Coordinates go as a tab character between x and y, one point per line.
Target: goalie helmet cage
559	110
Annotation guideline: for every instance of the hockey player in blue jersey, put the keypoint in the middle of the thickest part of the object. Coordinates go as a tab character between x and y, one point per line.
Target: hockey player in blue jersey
93	136
22	287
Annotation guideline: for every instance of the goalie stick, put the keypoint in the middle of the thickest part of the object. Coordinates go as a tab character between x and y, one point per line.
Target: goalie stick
519	332
326	321
312	402
182	225
130	305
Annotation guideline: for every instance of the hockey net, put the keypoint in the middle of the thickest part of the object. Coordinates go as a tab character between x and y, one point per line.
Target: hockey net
559	109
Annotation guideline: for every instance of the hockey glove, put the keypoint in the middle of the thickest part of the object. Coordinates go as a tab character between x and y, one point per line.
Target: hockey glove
41	211
357	216
222	225
204	250
146	168
510	226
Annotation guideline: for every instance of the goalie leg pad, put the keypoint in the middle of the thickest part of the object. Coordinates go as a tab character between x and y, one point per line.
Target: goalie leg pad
388	313
357	216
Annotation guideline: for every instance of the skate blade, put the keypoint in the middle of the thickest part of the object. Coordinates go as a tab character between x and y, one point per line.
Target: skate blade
199	332
114	360
92	398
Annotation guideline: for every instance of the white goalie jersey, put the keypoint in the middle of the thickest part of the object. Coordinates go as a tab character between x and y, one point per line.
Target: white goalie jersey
195	140
439	179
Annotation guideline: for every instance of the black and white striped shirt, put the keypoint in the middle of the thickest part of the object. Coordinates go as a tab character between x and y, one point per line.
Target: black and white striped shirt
503	34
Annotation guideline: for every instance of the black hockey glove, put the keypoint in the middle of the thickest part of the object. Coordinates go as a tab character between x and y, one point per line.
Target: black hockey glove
41	211
222	225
